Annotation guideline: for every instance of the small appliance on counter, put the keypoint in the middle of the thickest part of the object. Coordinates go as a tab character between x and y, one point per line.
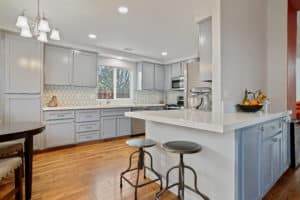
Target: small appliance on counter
200	98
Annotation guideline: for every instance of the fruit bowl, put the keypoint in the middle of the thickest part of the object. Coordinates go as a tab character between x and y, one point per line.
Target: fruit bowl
249	108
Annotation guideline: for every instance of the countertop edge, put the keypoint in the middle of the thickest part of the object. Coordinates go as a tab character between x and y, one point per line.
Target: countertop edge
99	107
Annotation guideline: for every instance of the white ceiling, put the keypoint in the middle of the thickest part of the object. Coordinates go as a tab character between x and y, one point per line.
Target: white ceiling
150	27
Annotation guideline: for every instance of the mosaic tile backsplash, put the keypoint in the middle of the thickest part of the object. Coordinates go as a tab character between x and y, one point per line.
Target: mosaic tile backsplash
80	96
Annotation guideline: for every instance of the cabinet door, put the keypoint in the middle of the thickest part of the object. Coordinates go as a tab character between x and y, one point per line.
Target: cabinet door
267	157
124	126
177	70
286	157
59	133
20	108
109	127
84	73
205	44
159	77
168	75
277	157
249	151
58	65
148	76
23	65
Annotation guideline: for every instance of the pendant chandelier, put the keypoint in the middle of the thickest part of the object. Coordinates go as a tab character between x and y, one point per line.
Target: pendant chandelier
38	27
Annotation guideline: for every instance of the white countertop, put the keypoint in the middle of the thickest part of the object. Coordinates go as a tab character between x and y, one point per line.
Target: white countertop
101	106
213	122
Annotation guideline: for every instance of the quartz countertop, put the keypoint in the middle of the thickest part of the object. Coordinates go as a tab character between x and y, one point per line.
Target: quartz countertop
101	106
214	122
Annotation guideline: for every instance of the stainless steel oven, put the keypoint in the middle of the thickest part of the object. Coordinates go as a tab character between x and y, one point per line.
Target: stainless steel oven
178	83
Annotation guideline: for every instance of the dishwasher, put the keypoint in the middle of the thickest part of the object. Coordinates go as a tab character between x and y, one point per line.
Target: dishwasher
138	125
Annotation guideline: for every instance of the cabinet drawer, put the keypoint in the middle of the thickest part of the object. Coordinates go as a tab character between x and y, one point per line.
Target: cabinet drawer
87	126
88	136
272	128
87	115
56	115
114	112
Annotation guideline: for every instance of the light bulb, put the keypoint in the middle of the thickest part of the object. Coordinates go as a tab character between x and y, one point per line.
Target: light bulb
26	33
55	35
43	37
44	26
22	22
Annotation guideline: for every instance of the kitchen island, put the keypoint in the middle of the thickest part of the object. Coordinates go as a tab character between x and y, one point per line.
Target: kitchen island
242	155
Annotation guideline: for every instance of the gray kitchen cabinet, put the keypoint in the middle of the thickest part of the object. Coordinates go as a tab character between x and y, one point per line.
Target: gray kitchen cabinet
145	76
249	168
108	127
124	126
58	65
84	69
59	133
262	158
159	77
23	65
177	70
168	77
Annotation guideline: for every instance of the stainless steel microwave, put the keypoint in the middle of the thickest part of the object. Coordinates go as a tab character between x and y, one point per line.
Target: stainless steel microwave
178	83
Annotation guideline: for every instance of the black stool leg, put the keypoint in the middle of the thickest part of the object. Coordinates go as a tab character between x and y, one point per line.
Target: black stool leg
196	190
157	196
128	169
181	179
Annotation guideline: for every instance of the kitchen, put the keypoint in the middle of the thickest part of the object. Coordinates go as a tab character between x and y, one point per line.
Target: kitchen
98	87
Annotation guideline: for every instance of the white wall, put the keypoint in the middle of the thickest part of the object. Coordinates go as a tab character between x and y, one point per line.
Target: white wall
277	54
243	49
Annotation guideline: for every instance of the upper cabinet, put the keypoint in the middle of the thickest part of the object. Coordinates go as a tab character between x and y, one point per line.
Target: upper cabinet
168	76
58	65
177	70
23	65
64	66
205	41
145	76
84	73
159	77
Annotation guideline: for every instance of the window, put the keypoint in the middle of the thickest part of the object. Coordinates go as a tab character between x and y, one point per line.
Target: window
113	82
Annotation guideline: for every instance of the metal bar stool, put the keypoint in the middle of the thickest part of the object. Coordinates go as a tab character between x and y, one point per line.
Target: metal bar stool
182	147
140	144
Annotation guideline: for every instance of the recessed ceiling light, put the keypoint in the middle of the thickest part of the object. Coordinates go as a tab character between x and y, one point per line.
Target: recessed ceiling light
123	10
92	36
120	58
164	53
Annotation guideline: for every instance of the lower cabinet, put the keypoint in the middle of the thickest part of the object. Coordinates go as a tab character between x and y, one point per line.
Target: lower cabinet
59	133
108	127
263	153
115	126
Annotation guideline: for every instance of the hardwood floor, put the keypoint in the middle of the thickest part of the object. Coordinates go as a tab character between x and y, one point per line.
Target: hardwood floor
87	172
91	172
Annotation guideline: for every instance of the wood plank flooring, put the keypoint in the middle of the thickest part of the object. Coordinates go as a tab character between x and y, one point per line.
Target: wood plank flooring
91	172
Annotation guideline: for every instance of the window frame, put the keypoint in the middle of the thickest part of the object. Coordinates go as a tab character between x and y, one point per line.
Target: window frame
115	68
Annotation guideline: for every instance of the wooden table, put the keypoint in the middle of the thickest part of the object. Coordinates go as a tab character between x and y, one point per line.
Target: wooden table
23	130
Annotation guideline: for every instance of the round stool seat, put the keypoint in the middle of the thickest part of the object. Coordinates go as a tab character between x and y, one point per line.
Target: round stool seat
141	143
182	147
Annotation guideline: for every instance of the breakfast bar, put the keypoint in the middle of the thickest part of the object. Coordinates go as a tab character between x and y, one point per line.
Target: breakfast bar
242	155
